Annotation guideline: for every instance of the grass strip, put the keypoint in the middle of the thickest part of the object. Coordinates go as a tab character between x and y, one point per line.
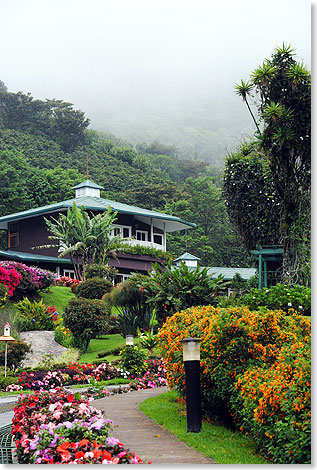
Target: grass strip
214	441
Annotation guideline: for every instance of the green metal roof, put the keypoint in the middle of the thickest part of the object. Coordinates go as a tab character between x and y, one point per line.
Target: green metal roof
20	256
89	184
228	273
187	256
98	204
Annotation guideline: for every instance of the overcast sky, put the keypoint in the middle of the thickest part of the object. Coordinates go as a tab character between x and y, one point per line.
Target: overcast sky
128	54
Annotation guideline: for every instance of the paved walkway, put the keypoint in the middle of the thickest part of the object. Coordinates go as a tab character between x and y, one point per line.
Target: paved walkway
139	433
42	342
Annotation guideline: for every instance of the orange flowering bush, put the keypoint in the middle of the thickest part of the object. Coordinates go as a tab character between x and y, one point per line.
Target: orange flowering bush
236	342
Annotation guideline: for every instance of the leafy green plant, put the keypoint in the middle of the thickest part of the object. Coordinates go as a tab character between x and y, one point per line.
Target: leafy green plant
127	323
174	288
129	298
101	270
33	316
133	360
86	318
148	339
94	288
3	294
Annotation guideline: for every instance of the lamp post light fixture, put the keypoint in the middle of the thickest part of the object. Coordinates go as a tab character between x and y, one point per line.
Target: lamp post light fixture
6	337
129	340
191	358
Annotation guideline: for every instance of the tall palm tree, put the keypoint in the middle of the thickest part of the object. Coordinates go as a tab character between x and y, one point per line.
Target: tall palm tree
86	239
244	89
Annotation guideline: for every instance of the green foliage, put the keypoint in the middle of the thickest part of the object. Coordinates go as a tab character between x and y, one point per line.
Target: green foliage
8	380
126	323
3	295
280	296
54	118
16	353
86	319
94	288
147	251
133	360
101	270
252	201
174	288
130	301
33	316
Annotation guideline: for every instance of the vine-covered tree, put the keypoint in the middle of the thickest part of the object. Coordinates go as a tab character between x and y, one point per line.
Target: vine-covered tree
251	198
283	89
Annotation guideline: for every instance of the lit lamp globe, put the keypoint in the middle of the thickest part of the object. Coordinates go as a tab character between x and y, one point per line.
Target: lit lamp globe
129	340
191	349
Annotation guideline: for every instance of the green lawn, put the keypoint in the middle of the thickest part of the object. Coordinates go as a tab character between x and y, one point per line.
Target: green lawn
58	297
214	441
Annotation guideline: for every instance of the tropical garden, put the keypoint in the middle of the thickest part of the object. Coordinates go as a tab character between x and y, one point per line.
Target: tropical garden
255	344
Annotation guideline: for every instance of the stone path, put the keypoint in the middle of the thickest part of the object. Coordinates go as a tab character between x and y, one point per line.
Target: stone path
42	342
140	434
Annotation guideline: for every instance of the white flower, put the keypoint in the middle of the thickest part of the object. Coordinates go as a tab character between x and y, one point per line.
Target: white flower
289	304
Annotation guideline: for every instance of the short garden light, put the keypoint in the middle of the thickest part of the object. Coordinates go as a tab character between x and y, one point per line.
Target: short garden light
129	340
6	337
191	358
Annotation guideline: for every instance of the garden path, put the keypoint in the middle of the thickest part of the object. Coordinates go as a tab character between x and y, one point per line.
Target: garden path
42	342
140	434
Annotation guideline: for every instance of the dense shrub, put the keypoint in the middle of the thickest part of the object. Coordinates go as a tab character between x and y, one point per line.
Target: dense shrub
238	345
16	353
32	279
99	270
94	288
281	297
86	318
274	405
133	360
34	316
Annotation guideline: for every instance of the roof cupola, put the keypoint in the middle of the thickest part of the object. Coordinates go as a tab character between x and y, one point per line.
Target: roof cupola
88	188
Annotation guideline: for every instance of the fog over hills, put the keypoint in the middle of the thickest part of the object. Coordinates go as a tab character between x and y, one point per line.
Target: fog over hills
146	70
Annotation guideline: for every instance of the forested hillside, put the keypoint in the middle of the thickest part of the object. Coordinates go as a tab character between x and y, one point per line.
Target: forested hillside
43	149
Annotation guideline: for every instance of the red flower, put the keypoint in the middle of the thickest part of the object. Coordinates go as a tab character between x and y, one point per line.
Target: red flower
70	398
83	442
79	454
63	447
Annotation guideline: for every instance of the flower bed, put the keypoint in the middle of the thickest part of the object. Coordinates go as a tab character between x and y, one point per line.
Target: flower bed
76	373
58	427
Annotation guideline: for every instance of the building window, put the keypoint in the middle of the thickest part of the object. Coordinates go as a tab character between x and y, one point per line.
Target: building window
13	235
69	273
121	278
142	235
158	238
123	231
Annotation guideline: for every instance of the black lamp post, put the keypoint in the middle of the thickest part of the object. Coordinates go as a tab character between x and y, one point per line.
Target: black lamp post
191	358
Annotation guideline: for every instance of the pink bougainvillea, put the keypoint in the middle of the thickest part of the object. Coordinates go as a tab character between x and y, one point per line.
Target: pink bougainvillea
10	278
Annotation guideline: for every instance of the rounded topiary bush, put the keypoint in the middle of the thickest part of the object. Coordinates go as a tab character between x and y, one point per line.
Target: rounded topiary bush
100	270
86	318
94	288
